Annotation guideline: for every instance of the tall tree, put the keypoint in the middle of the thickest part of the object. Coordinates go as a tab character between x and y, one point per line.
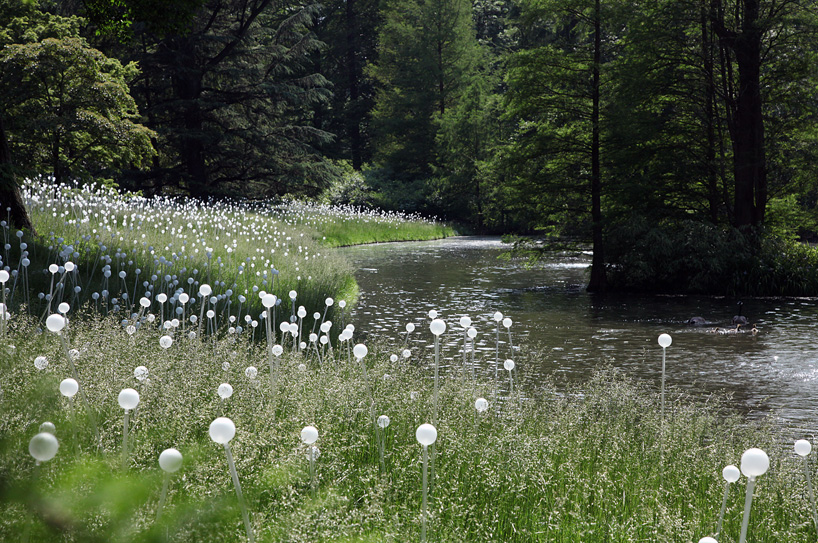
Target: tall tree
231	97
349	29
426	50
556	92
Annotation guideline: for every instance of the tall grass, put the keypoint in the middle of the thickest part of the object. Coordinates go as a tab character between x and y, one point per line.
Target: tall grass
588	463
239	248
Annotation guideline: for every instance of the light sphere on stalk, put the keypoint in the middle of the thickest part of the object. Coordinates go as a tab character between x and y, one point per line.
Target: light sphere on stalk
754	462
410	327
128	398
63	308
48	427
225	390
383	421
426	434
803	447
465	322
69	387
481	404
170	460
731	473
43	447
309	435
222	430
360	351
509	364
55	322
437	327
665	340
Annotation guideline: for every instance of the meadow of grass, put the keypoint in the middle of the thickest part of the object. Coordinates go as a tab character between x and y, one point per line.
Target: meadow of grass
127	247
590	463
344	225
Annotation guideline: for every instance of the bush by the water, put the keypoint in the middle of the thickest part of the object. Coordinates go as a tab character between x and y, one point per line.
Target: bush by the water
593	463
699	258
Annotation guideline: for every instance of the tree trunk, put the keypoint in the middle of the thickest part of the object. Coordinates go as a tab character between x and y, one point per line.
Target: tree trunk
711	172
599	280
747	123
11	201
354	109
188	87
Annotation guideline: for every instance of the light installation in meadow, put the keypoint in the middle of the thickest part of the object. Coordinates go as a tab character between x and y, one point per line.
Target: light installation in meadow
754	463
170	460
509	365
56	323
437	327
465	323
204	292
69	388
4	277
730	474
497	318
43	447
268	301
222	430
383	424
309	435
802	449
426	435
664	341
472	334
128	399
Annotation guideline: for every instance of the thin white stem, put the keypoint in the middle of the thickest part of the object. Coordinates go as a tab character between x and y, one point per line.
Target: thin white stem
811	493
748	502
163	497
723	509
125	441
312	469
243	507
423	506
437	365
663	385
79	386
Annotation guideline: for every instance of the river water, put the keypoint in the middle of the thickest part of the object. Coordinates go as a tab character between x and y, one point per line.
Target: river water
773	372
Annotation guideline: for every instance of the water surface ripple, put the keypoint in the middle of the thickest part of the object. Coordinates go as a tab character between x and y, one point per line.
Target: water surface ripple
775	371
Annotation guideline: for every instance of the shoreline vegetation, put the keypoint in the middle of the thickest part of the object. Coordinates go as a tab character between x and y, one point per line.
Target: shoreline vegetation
587	463
124	245
593	462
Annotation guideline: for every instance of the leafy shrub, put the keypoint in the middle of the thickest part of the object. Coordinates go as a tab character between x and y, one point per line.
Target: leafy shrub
700	258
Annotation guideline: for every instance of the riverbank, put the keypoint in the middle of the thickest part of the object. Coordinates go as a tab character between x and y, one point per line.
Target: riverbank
593	463
126	247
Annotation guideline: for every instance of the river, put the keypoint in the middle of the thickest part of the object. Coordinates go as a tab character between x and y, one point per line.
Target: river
773	372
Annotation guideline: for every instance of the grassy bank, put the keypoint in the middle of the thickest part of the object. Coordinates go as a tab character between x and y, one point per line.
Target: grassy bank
339	226
127	247
590	464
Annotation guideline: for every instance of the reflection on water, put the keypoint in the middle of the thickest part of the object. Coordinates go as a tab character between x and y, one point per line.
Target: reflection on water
776	370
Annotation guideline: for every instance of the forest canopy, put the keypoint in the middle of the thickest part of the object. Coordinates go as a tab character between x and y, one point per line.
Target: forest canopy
586	120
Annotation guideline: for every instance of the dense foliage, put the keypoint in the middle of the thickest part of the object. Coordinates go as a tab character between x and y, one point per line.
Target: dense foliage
565	118
594	462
